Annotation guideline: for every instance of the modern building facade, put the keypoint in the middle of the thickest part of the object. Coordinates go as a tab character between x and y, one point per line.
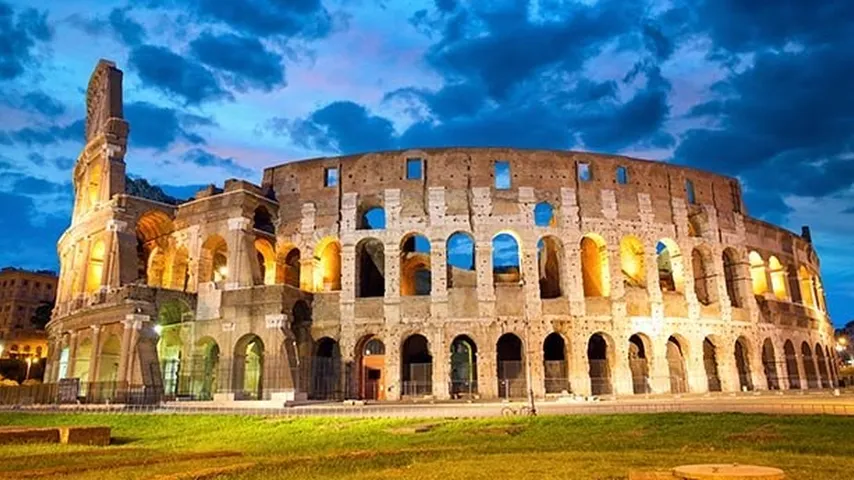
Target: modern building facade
24	295
437	273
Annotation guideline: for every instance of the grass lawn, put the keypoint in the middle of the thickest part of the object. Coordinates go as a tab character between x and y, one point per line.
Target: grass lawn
583	447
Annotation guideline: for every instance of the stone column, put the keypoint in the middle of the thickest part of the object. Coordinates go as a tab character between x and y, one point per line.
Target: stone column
392	371
94	360
487	370
485	285
534	352
579	369
441	364
574	279
727	369
391	301
621	376
72	354
239	271
659	368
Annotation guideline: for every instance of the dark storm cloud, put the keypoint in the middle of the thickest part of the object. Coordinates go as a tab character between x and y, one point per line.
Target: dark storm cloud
35	234
43	135
159	127
59	163
19	33
175	75
35	101
343	127
244	62
203	158
126	28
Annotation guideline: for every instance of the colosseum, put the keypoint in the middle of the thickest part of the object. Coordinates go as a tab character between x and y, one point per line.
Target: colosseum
428	274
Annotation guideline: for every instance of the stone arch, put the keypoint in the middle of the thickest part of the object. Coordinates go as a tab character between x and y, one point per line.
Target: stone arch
544	215
461	256
370	355
778	278
758	274
549	260
178	270
415	271
95	268
326	370
555	365
506	264
731	263
291	266
205	368
704	287
416	366
327	277
824	376
792	370
639	351
170	350
599	359
742	354
805	281
769	365
373	218
266	257
213	260
710	364
262	220
153	229
594	266
511	366
632	262
248	368
809	366
156	267
108	360
670	270
675	353
370	268
463	367
83	361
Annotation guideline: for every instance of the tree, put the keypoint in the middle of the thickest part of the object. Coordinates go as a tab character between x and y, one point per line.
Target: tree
41	315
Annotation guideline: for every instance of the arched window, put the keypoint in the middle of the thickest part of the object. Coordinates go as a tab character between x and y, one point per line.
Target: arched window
370	268
549	254
703	287
262	220
505	259
95	270
758	276
778	278
806	283
733	290
266	262
461	268
632	262
544	215
156	267
415	274
373	219
594	266
669	259
328	273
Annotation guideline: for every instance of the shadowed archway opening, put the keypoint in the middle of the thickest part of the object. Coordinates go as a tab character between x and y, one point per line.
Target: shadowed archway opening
326	370
599	368
710	364
463	367
639	364
555	369
676	366
511	369
792	371
809	366
371	361
549	254
370	268
416	373
769	365
824	376
415	272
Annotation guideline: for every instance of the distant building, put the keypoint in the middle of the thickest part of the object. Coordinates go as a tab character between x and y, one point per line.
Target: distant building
25	297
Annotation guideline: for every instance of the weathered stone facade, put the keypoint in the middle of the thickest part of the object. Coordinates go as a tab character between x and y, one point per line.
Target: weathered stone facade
632	277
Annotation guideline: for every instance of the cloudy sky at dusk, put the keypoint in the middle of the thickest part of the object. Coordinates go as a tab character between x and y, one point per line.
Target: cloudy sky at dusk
218	89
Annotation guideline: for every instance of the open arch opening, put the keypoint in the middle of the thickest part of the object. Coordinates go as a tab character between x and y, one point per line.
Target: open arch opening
792	372
511	369
599	365
213	262
328	275
669	261
178	270
326	370
463	367
370	268
170	348
824	376
205	369
371	359
710	364
639	363
809	366
373	219
292	267
461	256
555	369
108	361
778	278
262	220
415	271
769	365
152	231
731	277
758	276
703	287
248	369
266	257
416	367
156	267
742	364
806	286
95	269
594	266
544	215
632	262
82	362
505	259
676	366
549	255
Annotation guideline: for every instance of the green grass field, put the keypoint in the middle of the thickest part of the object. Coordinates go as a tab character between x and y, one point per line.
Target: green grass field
583	447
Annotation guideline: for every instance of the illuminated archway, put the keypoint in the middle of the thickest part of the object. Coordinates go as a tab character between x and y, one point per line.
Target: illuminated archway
778	278
463	367
670	271
327	277
248	368
758	276
594	266
95	269
676	365
213	262
266	257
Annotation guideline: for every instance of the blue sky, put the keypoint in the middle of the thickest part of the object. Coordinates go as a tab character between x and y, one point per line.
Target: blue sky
759	90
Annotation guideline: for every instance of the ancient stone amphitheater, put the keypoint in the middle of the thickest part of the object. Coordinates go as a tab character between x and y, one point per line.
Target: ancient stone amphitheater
428	273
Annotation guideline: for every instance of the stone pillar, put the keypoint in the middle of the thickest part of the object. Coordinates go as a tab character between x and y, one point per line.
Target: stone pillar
239	270
441	364
579	369
698	380
659	368
95	359
574	279
534	351
485	285
112	277
72	353
727	369
132	324
621	375
391	301
393	385
757	369
487	369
